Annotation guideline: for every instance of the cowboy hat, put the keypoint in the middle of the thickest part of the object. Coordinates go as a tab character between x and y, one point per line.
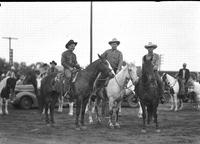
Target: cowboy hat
70	42
114	40
53	62
150	45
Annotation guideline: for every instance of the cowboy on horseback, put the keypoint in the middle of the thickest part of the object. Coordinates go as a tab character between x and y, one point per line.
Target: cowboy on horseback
53	68
155	61
115	58
183	76
70	64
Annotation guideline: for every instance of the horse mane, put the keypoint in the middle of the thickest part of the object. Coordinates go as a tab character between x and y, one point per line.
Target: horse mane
147	67
3	83
90	66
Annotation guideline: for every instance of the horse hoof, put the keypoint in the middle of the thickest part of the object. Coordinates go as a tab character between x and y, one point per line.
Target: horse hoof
59	111
70	114
53	124
83	127
91	122
111	126
48	125
117	125
143	131
78	128
158	130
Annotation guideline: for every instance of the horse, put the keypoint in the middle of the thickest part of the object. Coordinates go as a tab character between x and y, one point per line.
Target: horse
173	86
115	90
83	86
49	92
194	86
31	78
147	91
7	86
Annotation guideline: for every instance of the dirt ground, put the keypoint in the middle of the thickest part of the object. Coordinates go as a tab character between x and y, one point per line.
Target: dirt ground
26	127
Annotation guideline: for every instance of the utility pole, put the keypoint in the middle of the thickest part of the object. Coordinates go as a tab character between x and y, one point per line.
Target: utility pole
91	15
10	49
161	61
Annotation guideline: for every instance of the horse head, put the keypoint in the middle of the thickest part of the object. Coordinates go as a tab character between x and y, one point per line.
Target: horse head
132	72
105	68
148	74
11	82
166	81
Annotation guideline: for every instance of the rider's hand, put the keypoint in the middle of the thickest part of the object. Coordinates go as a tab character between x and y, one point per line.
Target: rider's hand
70	68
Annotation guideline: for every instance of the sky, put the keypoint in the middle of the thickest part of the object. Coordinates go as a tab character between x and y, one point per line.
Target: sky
43	29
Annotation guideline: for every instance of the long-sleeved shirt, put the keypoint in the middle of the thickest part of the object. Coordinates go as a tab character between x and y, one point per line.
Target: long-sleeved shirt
155	60
68	59
114	57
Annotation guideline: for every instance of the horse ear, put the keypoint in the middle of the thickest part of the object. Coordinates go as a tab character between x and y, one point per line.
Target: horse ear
100	56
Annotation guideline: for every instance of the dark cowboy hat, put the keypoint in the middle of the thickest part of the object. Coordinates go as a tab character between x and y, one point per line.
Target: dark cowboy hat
114	40
70	42
150	45
53	62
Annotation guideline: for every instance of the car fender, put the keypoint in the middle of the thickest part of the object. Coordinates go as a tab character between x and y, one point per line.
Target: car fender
30	94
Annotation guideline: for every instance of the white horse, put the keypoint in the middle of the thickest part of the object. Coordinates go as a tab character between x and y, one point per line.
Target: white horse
195	87
115	90
7	86
173	84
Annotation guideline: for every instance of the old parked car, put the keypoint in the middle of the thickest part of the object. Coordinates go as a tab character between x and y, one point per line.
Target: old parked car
24	97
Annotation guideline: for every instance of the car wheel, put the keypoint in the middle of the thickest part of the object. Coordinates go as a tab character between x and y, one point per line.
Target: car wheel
26	102
132	101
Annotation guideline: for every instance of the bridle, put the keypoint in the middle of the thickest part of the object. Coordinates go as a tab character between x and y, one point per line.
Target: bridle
126	81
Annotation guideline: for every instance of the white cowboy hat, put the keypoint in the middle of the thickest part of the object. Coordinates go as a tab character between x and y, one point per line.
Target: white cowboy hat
114	40
150	45
12	68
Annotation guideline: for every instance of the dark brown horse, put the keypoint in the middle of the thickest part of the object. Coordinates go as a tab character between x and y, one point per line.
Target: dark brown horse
83	86
147	91
31	78
49	92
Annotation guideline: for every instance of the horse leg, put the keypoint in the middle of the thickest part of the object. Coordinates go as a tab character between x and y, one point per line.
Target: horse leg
83	114
176	102
89	111
140	110
71	105
110	114
120	109
78	108
1	105
172	102
6	106
144	118
149	114
180	104
155	115
52	108
60	103
96	108
117	116
46	114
